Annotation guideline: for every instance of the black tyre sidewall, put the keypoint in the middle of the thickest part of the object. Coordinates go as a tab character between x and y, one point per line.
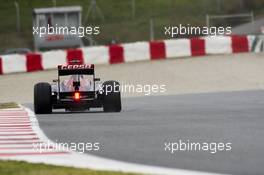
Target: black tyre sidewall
111	100
42	98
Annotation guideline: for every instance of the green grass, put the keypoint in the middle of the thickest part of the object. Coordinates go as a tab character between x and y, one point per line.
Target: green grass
8	105
119	23
24	168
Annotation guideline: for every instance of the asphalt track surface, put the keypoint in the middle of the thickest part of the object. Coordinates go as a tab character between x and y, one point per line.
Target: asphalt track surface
138	133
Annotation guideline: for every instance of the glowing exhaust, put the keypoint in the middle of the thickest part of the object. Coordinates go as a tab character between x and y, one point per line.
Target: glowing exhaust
77	96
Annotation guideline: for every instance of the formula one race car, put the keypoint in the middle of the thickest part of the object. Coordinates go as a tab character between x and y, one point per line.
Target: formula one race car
77	89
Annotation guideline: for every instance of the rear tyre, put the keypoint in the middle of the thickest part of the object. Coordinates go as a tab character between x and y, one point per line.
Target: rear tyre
42	98
112	96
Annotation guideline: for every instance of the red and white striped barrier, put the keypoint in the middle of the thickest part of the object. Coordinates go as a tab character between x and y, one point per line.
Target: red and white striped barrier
124	53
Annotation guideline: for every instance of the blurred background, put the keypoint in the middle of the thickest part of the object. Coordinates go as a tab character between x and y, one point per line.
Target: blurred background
129	20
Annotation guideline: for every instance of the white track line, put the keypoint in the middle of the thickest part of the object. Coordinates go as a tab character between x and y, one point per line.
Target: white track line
17	136
16	130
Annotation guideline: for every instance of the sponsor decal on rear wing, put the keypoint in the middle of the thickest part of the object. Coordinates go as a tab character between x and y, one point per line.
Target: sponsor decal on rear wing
71	67
87	69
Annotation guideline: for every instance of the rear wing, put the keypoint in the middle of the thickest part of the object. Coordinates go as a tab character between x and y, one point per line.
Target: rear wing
86	69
